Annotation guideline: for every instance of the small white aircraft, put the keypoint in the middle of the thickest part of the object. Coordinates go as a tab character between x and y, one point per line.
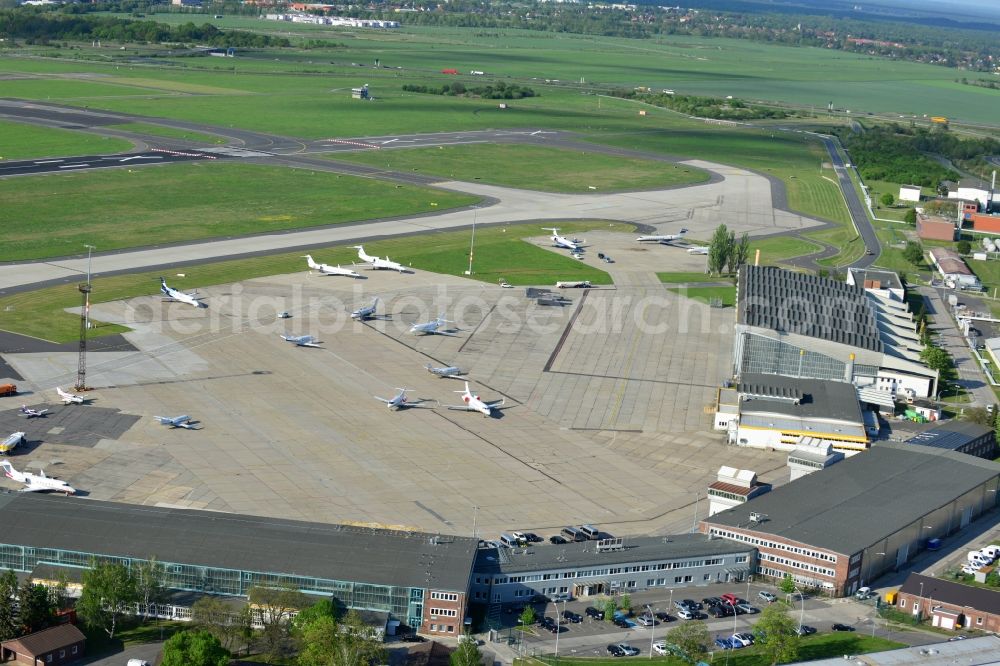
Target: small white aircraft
301	340
179	296
474	404
700	249
327	269
32	413
176	421
12	442
35	482
68	398
665	240
562	241
378	263
366	312
451	372
431	327
399	401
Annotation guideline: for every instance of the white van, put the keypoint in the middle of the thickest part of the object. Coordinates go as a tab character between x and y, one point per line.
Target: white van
992	552
138	662
977	559
509	541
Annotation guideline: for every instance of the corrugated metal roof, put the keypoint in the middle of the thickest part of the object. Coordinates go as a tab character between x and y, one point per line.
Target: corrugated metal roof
858	502
233	541
951	435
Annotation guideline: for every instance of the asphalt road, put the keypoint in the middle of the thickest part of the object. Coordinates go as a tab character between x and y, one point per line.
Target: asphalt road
854	205
66	164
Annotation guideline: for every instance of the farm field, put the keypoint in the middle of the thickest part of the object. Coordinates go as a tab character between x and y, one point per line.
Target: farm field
535	167
116	209
20	141
499	253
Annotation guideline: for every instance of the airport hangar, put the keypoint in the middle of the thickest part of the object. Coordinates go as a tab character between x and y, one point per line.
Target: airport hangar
841	527
425	581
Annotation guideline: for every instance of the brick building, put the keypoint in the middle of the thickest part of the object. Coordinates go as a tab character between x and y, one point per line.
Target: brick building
950	605
932	227
56	645
843	526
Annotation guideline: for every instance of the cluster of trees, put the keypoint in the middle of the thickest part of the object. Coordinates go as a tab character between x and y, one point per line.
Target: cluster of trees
703	107
40	27
27	608
892	153
498	90
724	251
112	591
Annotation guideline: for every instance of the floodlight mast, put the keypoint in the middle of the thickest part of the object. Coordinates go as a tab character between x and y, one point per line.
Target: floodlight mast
81	368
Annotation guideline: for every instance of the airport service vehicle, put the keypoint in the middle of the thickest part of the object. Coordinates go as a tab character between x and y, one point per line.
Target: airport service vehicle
183	421
701	249
562	241
376	263
70	398
450	372
366	312
284	315
573	284
327	269
301	340
663	240
432	327
172	294
11	442
474	404
8	389
864	593
35	482
33	413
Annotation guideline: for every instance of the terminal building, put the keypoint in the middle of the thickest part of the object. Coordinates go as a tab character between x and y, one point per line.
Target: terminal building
841	527
419	579
801	326
589	568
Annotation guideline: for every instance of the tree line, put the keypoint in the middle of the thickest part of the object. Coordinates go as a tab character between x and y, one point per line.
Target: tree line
40	27
702	107
498	90
892	153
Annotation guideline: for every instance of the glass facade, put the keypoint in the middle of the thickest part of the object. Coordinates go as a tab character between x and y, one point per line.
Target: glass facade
402	602
773	357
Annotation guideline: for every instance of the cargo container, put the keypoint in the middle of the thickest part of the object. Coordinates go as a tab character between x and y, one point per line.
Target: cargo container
8	389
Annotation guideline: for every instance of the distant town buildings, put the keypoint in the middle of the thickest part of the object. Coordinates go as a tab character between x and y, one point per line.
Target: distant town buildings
338	21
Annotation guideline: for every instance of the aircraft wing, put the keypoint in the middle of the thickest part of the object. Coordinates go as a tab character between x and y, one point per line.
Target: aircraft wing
464	408
494	404
385	400
450	335
32	487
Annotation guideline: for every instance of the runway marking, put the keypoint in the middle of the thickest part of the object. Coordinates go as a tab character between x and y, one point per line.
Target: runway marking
481	322
565	333
74	166
49	161
353	143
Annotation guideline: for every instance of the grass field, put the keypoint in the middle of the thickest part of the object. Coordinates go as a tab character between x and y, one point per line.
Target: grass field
535	167
725	295
119	208
682	277
499	253
169	132
816	646
20	141
778	248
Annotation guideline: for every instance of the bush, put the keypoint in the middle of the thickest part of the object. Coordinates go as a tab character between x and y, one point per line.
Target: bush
964	247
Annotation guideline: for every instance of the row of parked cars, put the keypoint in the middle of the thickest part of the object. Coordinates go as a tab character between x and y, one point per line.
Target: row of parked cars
726	605
977	559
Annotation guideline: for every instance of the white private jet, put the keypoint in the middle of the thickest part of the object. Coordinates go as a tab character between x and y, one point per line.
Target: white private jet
378	263
474	404
12	441
35	482
451	372
179	296
400	401
68	398
327	269
176	421
700	249
432	327
562	241
665	240
301	340
366	312
33	413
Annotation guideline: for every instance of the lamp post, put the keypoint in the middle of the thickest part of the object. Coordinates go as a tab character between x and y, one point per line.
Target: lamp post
733	638
652	628
86	314
558	626
802	610
472	243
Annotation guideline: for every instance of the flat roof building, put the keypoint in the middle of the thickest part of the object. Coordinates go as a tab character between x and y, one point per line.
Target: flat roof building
950	605
962	436
404	573
841	527
935	227
802	326
952	267
882	283
733	487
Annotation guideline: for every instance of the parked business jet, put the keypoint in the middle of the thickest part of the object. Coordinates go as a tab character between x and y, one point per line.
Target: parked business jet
473	403
33	413
176	421
301	340
432	327
701	249
562	241
12	441
179	296
35	482
378	263
68	398
666	240
366	312
451	372
400	401
327	269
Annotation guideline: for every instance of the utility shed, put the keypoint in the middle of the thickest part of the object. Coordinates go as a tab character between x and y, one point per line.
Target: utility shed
56	645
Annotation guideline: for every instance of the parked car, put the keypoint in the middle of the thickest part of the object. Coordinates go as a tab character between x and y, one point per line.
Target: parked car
744	637
646	620
594	613
561	596
842	627
685	614
663	617
805	630
727	644
575	618
621	623
767	596
556	539
609	260
284	315
531	537
691	604
864	593
747	608
660	648
628	650
960	637
721	611
711	601
615	651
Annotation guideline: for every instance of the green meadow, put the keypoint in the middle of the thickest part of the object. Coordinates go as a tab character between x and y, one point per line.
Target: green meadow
22	141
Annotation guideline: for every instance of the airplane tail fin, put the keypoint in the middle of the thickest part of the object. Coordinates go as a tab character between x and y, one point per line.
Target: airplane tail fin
10	472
